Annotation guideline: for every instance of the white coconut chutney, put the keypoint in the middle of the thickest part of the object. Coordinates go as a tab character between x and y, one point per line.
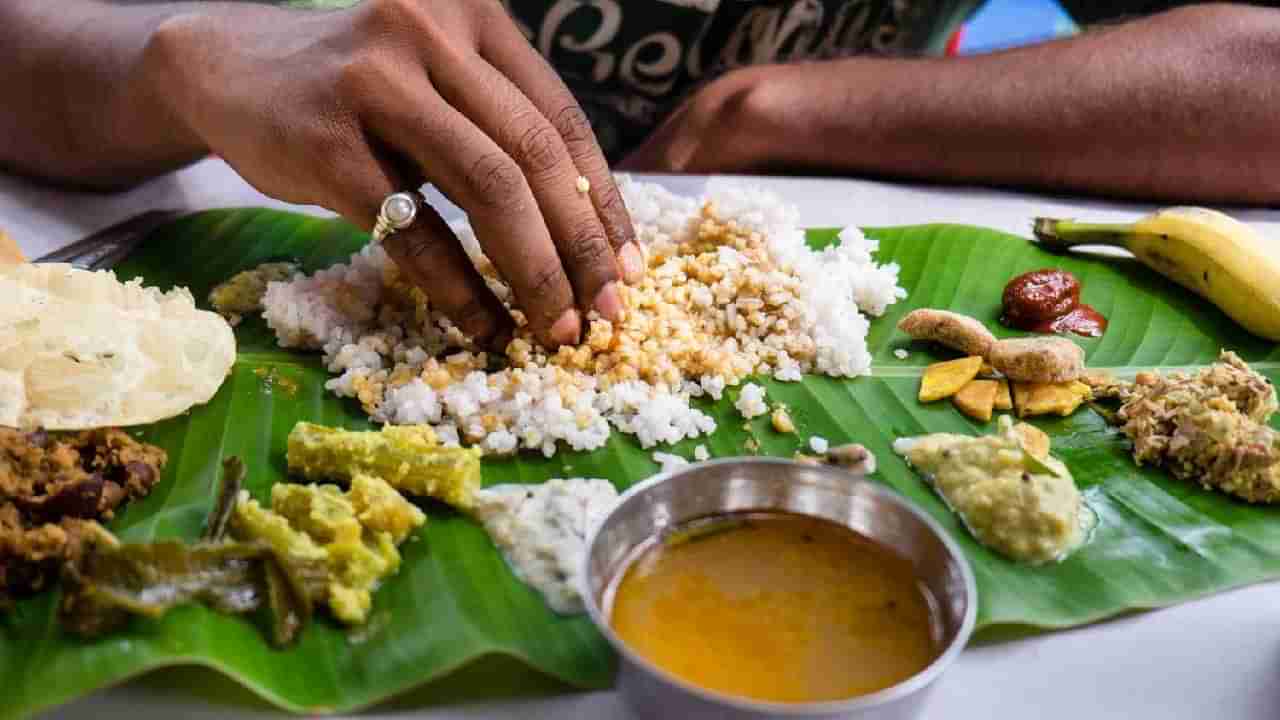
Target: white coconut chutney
542	532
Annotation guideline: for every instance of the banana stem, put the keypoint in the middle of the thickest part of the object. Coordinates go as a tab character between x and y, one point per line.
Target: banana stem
1056	234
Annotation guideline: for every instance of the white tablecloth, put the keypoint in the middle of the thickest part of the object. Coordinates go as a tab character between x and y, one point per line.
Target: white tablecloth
1217	658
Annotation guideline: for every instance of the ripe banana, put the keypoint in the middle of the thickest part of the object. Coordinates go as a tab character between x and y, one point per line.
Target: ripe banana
1216	256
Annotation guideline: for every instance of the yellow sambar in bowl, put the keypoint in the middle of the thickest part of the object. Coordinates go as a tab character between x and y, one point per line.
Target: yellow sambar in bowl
756	587
777	607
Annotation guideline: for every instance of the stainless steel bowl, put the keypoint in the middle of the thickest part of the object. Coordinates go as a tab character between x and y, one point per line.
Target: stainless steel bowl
735	485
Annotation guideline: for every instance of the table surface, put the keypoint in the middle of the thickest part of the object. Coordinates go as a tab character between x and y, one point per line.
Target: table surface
1218	657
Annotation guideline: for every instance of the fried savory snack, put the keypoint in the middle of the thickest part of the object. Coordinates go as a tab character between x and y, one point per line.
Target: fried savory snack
956	331
82	350
1208	427
1004	397
1038	359
409	457
977	399
52	488
1061	399
944	379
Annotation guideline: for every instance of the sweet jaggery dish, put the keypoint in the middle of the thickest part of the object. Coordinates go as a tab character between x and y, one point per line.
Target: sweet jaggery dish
53	489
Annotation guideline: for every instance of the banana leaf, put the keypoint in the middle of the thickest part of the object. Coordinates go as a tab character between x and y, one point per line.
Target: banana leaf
455	604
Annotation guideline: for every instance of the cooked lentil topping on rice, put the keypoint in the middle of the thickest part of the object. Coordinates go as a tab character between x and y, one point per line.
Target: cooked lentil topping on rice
732	291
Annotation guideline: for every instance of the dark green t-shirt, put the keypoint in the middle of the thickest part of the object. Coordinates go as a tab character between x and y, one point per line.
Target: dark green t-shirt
629	62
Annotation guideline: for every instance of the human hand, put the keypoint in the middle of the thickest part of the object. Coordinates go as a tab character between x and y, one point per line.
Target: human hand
340	109
724	126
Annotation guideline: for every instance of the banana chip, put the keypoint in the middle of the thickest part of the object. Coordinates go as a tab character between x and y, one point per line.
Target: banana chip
81	349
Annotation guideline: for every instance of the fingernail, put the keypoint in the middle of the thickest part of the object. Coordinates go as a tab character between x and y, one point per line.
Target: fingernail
567	329
609	302
632	262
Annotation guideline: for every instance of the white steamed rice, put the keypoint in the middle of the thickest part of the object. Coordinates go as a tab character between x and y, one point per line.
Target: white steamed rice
344	312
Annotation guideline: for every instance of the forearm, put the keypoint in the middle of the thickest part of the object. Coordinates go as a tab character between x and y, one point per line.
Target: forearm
82	96
1178	106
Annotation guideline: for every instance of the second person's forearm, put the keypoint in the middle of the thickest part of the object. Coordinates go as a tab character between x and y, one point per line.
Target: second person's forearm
1177	106
81	100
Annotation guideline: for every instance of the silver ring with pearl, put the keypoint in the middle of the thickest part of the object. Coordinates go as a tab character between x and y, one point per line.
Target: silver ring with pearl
398	212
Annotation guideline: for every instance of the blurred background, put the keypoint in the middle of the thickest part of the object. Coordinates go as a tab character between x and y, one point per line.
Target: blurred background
1008	23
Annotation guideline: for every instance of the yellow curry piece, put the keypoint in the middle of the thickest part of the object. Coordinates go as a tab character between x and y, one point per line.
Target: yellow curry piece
409	457
354	534
944	379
